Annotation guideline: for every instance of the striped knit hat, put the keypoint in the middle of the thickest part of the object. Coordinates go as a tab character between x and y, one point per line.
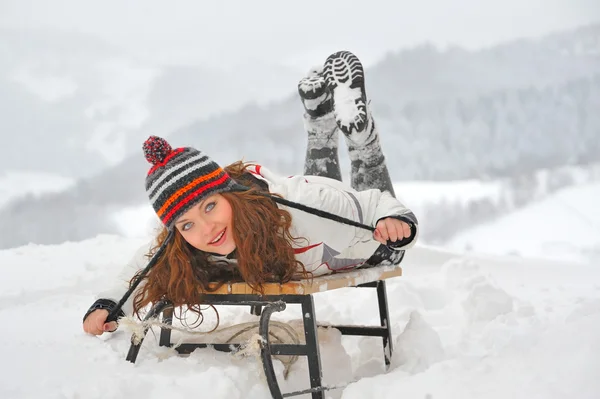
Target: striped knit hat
180	178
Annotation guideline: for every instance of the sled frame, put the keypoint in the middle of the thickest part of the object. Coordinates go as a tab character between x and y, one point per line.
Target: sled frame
275	299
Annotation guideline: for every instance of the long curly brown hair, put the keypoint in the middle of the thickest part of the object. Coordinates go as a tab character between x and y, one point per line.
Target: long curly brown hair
183	273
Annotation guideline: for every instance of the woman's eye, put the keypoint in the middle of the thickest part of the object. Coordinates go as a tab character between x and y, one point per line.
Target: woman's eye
209	207
186	226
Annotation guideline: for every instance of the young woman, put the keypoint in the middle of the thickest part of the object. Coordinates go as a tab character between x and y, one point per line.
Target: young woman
245	223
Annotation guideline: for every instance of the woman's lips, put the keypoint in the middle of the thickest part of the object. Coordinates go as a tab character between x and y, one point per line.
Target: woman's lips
221	240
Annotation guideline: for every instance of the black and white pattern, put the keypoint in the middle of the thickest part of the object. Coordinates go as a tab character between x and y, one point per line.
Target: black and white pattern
322	147
315	95
344	74
367	163
346	79
182	169
342	85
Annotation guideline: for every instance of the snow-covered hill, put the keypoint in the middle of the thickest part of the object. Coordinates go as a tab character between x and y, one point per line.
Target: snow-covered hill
565	225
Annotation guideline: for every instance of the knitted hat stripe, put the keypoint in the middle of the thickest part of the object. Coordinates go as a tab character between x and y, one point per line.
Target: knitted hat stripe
181	191
167	158
193	195
195	199
181	178
174	178
154	180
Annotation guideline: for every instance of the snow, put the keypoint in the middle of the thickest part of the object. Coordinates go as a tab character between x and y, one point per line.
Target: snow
565	225
464	326
136	221
346	110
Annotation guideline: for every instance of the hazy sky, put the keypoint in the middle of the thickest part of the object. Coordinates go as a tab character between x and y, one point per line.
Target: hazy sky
298	32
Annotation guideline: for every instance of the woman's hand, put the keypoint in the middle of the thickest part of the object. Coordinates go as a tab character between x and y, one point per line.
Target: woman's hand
391	229
95	323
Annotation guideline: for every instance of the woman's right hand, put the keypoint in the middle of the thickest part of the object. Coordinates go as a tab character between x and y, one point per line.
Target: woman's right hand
95	323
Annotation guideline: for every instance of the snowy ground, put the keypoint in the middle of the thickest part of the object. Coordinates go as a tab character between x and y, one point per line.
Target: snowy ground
516	317
476	327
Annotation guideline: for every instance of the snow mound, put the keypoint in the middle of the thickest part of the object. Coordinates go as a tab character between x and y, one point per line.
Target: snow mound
417	347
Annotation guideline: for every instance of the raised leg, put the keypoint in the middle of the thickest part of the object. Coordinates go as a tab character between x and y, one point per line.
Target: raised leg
319	122
345	78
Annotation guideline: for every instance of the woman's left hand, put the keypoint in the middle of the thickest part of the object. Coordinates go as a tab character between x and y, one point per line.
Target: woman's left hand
391	229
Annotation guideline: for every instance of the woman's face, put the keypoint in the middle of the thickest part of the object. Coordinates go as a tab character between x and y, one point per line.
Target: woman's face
207	225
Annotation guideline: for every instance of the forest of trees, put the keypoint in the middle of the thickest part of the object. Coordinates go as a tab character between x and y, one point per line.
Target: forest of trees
504	133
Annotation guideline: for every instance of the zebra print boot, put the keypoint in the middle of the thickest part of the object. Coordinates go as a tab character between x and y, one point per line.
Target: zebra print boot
344	74
319	123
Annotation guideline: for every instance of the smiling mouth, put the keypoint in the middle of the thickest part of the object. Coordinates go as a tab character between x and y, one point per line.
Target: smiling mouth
218	238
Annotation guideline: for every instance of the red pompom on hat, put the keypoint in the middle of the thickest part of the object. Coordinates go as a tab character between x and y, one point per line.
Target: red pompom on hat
156	149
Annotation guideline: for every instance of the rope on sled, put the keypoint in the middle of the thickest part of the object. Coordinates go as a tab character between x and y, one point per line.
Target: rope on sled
251	346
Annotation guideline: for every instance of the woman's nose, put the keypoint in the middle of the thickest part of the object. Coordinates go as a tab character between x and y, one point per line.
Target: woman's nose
207	228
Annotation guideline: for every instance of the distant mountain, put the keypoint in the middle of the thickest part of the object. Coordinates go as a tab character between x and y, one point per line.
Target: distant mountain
453	114
424	73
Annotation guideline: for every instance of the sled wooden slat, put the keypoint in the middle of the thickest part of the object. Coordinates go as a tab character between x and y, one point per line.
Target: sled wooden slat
317	284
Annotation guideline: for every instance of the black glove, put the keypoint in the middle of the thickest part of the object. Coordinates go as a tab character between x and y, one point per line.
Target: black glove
103	304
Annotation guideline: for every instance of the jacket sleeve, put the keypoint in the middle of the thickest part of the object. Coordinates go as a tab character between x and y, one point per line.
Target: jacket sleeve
367	207
380	205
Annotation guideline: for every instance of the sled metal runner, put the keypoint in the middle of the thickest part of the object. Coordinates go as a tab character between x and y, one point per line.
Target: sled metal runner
265	306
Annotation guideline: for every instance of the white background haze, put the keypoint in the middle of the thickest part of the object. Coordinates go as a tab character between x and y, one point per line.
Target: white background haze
296	34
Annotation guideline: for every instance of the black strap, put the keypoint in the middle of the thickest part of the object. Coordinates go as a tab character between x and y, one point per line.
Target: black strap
319	212
343	220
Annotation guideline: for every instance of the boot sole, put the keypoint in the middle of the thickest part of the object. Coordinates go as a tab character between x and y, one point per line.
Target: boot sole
344	74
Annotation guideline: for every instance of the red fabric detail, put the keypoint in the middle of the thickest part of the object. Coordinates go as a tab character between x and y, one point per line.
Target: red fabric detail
193	195
304	249
168	157
349	267
255	172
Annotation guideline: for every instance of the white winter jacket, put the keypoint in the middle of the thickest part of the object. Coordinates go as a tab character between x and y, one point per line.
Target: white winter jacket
331	245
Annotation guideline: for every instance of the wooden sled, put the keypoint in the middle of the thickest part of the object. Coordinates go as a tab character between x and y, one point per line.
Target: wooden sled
275	299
